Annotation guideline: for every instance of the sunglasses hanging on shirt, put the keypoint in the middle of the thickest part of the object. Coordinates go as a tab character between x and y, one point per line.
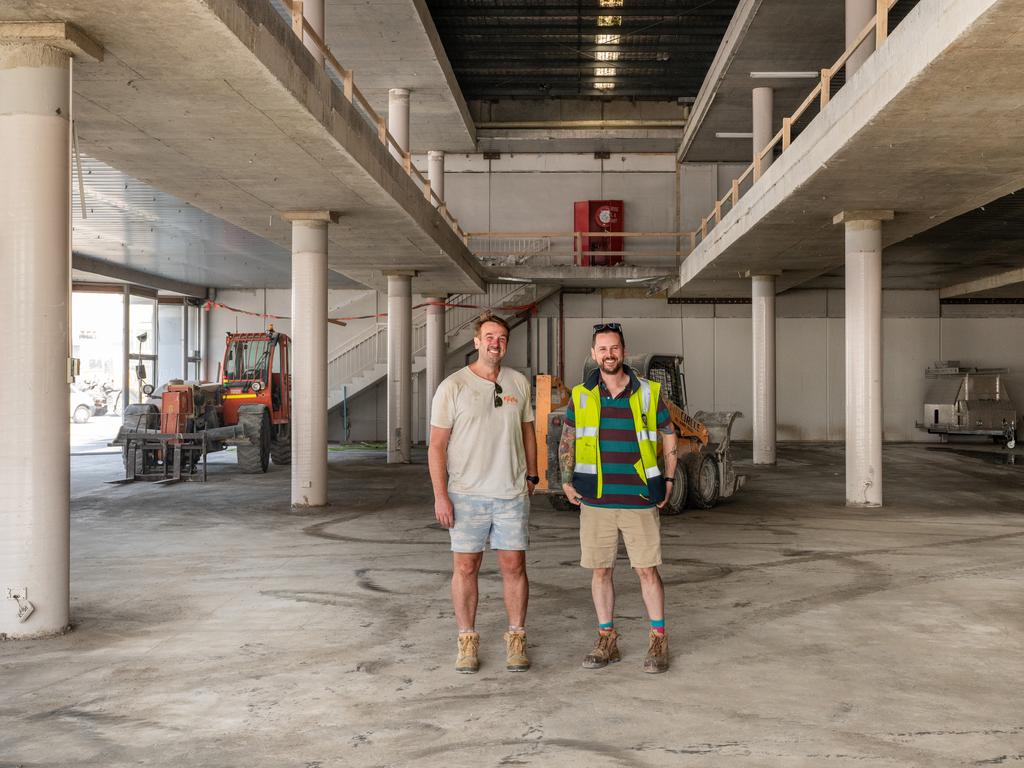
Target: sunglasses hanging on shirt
497	395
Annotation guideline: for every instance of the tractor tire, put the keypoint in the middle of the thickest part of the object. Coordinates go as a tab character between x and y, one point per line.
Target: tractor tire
141	416
137	459
680	490
254	457
281	446
703	476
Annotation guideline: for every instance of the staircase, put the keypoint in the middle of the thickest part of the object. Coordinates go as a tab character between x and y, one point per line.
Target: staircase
363	361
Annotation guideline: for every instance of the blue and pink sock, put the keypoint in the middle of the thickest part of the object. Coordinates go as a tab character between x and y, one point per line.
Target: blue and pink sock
658	625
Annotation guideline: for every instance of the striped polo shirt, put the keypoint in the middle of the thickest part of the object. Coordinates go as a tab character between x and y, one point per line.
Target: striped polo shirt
621	485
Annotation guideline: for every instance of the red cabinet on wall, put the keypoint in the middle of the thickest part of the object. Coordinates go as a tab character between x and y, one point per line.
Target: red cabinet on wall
598	216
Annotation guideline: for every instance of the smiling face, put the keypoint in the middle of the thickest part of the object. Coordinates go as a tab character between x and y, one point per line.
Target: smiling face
491	341
608	352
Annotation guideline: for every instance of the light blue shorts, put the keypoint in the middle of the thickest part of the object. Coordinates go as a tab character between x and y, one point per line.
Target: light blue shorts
477	518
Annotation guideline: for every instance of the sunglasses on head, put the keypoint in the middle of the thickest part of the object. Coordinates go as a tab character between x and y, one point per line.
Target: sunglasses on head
613	327
497	395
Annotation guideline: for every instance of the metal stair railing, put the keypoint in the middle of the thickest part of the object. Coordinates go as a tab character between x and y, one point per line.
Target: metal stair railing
370	348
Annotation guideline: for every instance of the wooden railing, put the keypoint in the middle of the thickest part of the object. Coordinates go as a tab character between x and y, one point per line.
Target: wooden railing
304	31
821	93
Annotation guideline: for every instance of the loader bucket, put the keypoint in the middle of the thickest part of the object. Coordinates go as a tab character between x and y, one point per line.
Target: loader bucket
719	426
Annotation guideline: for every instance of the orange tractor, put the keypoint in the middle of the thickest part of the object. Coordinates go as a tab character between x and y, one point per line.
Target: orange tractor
705	470
169	437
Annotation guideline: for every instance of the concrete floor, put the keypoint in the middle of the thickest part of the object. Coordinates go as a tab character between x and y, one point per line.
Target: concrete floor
214	627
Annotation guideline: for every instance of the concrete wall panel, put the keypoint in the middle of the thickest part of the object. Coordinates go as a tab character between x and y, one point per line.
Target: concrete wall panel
800	348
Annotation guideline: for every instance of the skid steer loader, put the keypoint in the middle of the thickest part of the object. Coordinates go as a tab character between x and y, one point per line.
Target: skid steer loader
705	471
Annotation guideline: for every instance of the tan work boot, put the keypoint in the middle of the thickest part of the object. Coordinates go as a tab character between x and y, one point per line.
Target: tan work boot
515	651
656	659
468	662
606	651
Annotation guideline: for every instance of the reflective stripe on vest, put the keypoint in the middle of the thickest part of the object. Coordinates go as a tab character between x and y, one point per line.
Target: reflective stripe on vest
644	406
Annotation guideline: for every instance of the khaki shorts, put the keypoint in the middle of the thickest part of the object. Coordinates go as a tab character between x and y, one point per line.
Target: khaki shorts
599	536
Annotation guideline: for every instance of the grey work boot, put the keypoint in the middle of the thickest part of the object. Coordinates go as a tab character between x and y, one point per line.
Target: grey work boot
468	662
606	651
515	651
656	659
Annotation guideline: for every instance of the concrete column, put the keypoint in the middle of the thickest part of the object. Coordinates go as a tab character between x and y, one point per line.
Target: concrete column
35	170
863	356
858	14
398	118
399	368
763	317
437	351
309	358
435	173
313	12
763	110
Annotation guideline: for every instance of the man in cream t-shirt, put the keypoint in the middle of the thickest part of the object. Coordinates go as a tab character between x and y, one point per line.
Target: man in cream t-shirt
483	466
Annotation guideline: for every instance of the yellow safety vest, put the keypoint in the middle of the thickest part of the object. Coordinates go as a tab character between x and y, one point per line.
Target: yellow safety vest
643	402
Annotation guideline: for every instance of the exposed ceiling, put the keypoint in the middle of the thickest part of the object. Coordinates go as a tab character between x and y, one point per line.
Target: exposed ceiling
641	49
133	225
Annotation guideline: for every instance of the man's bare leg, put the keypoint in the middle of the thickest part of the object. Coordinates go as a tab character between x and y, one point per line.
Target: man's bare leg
602	588
515	585
653	592
465	590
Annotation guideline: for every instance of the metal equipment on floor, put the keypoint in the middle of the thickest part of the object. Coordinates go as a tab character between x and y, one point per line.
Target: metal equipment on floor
962	400
705	471
169	438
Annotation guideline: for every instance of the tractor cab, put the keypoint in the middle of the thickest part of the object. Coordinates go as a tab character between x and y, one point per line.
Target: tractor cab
256	371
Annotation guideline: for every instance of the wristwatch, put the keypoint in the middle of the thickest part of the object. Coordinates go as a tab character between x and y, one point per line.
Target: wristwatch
670	479
532	479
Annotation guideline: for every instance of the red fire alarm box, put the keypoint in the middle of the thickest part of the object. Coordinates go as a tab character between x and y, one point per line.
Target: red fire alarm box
599	216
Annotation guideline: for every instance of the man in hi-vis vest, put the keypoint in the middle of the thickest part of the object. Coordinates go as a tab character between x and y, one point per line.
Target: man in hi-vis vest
609	461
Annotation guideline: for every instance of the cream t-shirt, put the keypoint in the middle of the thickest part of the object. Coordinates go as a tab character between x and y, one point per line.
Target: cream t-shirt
485	453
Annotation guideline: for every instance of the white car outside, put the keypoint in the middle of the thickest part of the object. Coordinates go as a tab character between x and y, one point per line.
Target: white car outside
82	406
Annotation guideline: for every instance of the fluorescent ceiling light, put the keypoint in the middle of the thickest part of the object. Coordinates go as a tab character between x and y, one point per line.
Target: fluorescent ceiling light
785	75
733	135
611	3
609	21
607	55
605	72
604	86
606	39
514	279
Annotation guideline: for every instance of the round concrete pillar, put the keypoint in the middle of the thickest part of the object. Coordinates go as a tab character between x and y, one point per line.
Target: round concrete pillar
309	363
35	173
863	363
436	351
399	369
763	332
398	117
858	14
763	106
435	173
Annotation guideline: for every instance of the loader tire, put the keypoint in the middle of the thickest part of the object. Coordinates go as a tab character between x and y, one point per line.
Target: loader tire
281	446
254	456
702	473
680	490
140	416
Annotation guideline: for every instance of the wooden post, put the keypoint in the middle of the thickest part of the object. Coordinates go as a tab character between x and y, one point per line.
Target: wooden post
735	192
881	22
693	240
787	131
757	166
348	82
297	18
703	228
826	87
426	190
407	162
718	211
382	131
